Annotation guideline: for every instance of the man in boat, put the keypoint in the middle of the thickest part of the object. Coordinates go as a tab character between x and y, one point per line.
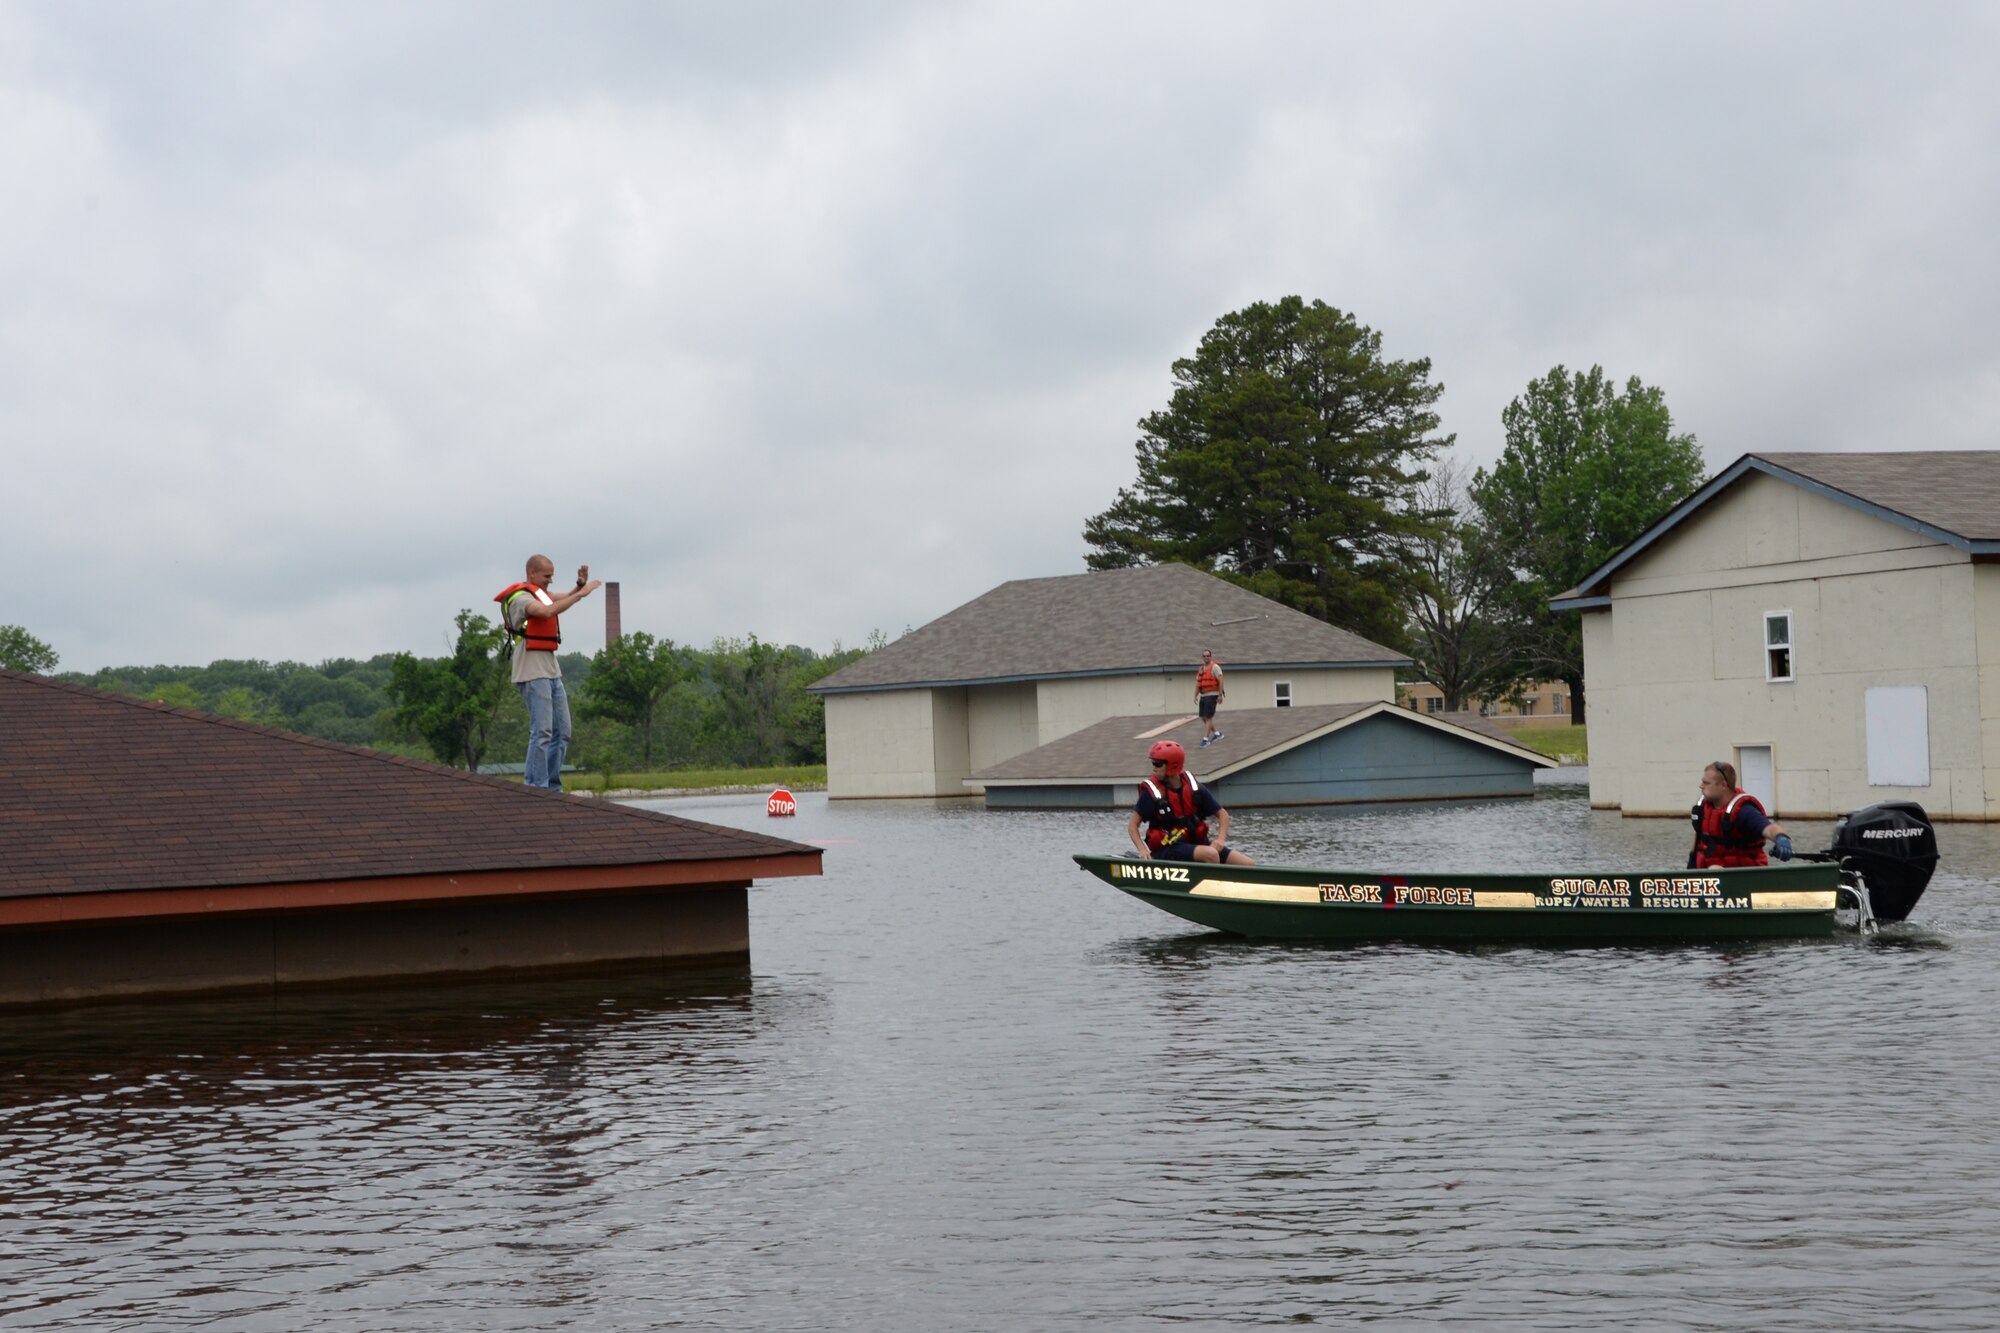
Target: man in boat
1208	693
531	617
1175	810
1731	826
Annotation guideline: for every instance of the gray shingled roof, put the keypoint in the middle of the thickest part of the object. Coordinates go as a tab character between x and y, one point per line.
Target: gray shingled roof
1155	618
1114	750
1952	495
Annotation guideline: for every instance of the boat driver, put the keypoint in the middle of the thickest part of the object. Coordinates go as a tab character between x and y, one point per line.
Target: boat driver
1175	810
1730	825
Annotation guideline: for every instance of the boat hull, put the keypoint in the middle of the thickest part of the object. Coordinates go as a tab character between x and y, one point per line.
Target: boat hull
1664	906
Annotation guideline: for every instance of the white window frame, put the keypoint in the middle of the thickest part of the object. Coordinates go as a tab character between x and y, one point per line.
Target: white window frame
1281	694
1789	647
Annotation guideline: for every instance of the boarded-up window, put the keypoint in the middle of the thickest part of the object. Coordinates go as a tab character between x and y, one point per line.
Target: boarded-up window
1899	736
1777	645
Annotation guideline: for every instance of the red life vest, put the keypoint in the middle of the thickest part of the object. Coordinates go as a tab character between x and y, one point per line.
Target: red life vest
542	634
1181	819
1207	680
1720	843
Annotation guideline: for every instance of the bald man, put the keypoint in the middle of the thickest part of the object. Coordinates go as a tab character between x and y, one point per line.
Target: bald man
531	616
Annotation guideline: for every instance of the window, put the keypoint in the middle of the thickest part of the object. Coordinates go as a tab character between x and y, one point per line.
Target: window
1281	694
1777	645
1558	702
1434	704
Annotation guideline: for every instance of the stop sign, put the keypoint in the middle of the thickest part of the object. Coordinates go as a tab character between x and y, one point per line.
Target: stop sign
781	802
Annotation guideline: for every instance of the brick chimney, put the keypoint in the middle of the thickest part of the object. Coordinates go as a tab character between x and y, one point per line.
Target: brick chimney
612	627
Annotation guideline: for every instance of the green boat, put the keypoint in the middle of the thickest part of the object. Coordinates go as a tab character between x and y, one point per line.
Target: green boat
1880	861
1667	906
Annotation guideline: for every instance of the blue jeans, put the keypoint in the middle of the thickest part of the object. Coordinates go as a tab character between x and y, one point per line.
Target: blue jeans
548	731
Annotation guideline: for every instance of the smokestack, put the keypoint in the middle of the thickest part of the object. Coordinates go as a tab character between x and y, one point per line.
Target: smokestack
612	627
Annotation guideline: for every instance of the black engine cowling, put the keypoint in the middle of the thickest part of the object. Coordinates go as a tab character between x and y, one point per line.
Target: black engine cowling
1894	847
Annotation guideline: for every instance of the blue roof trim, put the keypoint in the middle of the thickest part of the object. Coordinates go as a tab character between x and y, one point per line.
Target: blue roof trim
1587	594
1105	671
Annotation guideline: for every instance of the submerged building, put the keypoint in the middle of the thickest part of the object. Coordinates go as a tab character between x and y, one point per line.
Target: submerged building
1036	659
150	849
1828	622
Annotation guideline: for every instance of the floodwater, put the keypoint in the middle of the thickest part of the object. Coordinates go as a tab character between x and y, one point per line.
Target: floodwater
963	1085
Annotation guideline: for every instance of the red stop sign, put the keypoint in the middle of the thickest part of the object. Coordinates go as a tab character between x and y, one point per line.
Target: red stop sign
781	802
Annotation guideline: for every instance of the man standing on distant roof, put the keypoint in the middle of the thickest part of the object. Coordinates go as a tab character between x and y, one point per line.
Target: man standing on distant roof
531	617
1175	810
1208	693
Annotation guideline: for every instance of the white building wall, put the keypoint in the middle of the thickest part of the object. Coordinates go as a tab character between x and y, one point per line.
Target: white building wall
1000	722
1676	676
1064	706
896	743
1602	709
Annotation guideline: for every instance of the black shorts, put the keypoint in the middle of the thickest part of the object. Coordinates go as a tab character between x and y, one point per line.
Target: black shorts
1184	851
1208	702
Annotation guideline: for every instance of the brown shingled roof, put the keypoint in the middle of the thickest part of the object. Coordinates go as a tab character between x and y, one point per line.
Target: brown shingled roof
104	793
1114	750
1154	618
1957	490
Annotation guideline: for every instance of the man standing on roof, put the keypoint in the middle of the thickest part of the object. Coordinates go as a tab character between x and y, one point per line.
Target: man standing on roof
531	617
1208	693
1176	810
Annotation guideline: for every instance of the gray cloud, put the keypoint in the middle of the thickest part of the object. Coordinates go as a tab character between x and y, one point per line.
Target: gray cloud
810	320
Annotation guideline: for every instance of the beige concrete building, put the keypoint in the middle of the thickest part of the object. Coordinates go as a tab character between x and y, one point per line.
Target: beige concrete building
1828	622
1036	659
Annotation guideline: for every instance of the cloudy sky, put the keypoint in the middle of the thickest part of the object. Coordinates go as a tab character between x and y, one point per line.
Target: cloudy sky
806	320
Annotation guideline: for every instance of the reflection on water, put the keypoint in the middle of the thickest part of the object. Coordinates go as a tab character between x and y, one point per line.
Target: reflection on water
964	1085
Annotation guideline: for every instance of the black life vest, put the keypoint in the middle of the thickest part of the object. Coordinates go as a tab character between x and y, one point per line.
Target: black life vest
1174	814
1720	842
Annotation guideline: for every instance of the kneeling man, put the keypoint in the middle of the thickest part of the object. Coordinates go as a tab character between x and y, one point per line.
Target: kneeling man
1176	810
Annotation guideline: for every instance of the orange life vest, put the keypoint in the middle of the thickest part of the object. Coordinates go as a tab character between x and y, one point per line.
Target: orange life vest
1208	680
542	634
1182	819
1720	843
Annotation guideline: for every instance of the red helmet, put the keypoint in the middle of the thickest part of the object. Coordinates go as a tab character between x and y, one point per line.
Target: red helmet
1171	754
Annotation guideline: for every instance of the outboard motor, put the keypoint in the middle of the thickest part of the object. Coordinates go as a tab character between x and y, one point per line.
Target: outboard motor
1894	848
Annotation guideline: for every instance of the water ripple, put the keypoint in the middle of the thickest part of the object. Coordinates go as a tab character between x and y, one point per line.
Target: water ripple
965	1086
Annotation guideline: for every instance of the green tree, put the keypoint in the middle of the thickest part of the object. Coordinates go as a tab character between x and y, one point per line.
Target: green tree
1460	637
629	679
451	704
177	693
22	651
1285	460
1587	467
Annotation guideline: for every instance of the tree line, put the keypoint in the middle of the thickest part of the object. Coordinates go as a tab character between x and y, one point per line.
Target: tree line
1297	460
641	704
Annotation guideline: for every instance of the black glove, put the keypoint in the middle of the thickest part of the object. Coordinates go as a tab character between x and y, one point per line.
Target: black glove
1782	846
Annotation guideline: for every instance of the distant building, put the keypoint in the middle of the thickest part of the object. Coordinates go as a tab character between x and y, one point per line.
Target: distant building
150	849
1542	703
1830	623
1037	659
